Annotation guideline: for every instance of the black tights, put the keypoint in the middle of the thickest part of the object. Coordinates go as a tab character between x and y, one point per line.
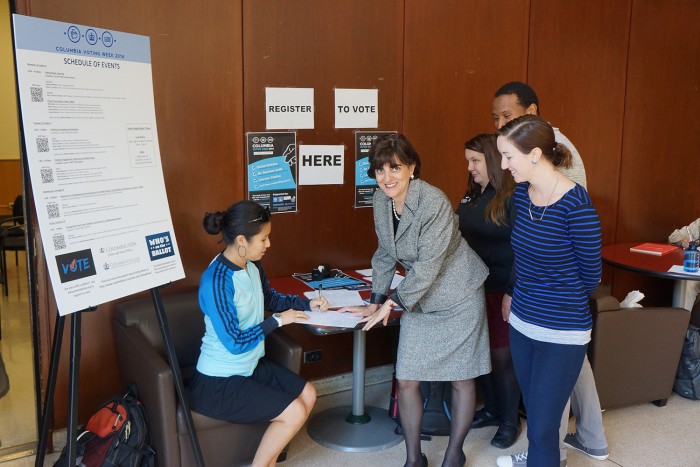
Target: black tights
501	390
411	412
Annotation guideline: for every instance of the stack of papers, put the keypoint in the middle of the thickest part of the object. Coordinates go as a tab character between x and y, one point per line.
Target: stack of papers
332	318
367	276
680	269
338	298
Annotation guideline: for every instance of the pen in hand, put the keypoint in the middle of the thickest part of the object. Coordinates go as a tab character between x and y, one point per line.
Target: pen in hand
320	291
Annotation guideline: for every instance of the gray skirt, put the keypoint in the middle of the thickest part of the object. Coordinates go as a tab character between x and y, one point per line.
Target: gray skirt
445	345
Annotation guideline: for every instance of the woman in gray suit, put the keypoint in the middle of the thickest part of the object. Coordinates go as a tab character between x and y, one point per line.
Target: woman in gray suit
444	335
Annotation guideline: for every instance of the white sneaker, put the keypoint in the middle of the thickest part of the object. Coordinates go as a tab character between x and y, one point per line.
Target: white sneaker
518	460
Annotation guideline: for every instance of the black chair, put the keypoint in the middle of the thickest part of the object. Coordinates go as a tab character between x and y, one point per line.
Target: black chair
12	237
4	379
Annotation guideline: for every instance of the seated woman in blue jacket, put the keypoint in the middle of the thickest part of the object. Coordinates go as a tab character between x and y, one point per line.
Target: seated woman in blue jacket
234	381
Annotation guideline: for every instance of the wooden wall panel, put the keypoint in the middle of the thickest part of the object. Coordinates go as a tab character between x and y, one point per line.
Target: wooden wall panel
660	164
617	77
659	157
579	78
456	57
196	56
323	45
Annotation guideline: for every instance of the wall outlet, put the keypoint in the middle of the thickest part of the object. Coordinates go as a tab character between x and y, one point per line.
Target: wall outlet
312	356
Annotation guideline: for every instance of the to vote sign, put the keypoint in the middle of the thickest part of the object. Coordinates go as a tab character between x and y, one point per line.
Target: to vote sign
321	164
356	108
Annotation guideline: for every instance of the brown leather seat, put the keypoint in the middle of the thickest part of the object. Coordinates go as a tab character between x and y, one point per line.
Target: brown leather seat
634	352
142	359
695	313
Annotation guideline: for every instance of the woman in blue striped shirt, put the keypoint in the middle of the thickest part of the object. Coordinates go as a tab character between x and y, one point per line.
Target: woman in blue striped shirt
556	240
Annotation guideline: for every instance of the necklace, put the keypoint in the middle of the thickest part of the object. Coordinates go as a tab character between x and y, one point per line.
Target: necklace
529	209
393	208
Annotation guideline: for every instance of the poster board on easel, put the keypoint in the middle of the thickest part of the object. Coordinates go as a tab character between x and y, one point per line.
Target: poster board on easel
88	114
91	145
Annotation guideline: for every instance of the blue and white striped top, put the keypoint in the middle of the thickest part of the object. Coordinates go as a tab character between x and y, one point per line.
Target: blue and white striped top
557	265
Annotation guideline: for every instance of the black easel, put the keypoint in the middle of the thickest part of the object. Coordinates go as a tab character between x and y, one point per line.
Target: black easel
72	387
175	366
74	380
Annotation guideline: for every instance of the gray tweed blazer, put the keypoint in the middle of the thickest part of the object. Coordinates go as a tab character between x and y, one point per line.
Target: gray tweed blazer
441	269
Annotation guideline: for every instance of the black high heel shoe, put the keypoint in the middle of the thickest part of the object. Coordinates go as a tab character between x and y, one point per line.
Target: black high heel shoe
423	461
460	463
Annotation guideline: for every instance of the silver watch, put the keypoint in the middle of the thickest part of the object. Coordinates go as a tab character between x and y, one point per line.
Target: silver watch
278	317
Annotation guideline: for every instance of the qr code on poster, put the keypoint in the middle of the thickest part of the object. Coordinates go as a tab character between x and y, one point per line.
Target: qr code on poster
52	210
59	241
37	94
46	175
42	144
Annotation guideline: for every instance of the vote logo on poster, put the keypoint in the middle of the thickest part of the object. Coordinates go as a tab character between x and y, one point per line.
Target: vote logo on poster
76	265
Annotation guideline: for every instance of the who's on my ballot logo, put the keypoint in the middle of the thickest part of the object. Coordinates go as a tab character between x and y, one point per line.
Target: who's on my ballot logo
76	265
160	245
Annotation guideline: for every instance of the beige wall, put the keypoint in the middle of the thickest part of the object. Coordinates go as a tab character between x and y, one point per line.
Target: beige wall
9	130
10	170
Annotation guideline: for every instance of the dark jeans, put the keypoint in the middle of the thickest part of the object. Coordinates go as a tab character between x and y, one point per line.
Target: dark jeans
546	373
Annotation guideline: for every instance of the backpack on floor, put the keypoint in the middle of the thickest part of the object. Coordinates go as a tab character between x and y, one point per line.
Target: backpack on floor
115	435
687	382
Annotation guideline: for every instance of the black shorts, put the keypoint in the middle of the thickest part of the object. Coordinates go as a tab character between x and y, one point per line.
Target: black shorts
259	397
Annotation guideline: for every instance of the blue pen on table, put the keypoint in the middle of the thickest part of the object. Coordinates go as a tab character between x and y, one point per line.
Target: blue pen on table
320	291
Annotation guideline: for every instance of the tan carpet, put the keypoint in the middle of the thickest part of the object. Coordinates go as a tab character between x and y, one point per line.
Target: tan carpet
638	436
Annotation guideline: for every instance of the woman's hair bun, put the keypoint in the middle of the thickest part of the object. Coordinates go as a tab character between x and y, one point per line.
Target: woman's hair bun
212	222
562	156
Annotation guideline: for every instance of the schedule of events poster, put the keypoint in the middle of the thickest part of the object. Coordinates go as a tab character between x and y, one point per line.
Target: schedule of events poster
364	185
272	170
86	98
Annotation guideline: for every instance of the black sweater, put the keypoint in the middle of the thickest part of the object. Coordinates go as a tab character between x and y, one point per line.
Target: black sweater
490	241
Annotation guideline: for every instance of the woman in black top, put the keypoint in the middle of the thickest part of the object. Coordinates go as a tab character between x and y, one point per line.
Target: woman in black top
486	215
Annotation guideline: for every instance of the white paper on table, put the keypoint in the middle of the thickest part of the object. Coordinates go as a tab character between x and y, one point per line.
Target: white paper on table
679	269
338	298
365	272
332	318
394	282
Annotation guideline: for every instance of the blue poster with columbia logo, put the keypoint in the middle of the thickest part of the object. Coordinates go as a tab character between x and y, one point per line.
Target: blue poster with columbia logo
364	185
272	170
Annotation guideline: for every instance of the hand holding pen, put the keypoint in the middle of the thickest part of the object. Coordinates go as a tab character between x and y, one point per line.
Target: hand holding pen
320	303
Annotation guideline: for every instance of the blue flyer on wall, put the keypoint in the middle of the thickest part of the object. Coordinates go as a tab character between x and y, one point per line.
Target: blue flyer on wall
272	170
364	185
